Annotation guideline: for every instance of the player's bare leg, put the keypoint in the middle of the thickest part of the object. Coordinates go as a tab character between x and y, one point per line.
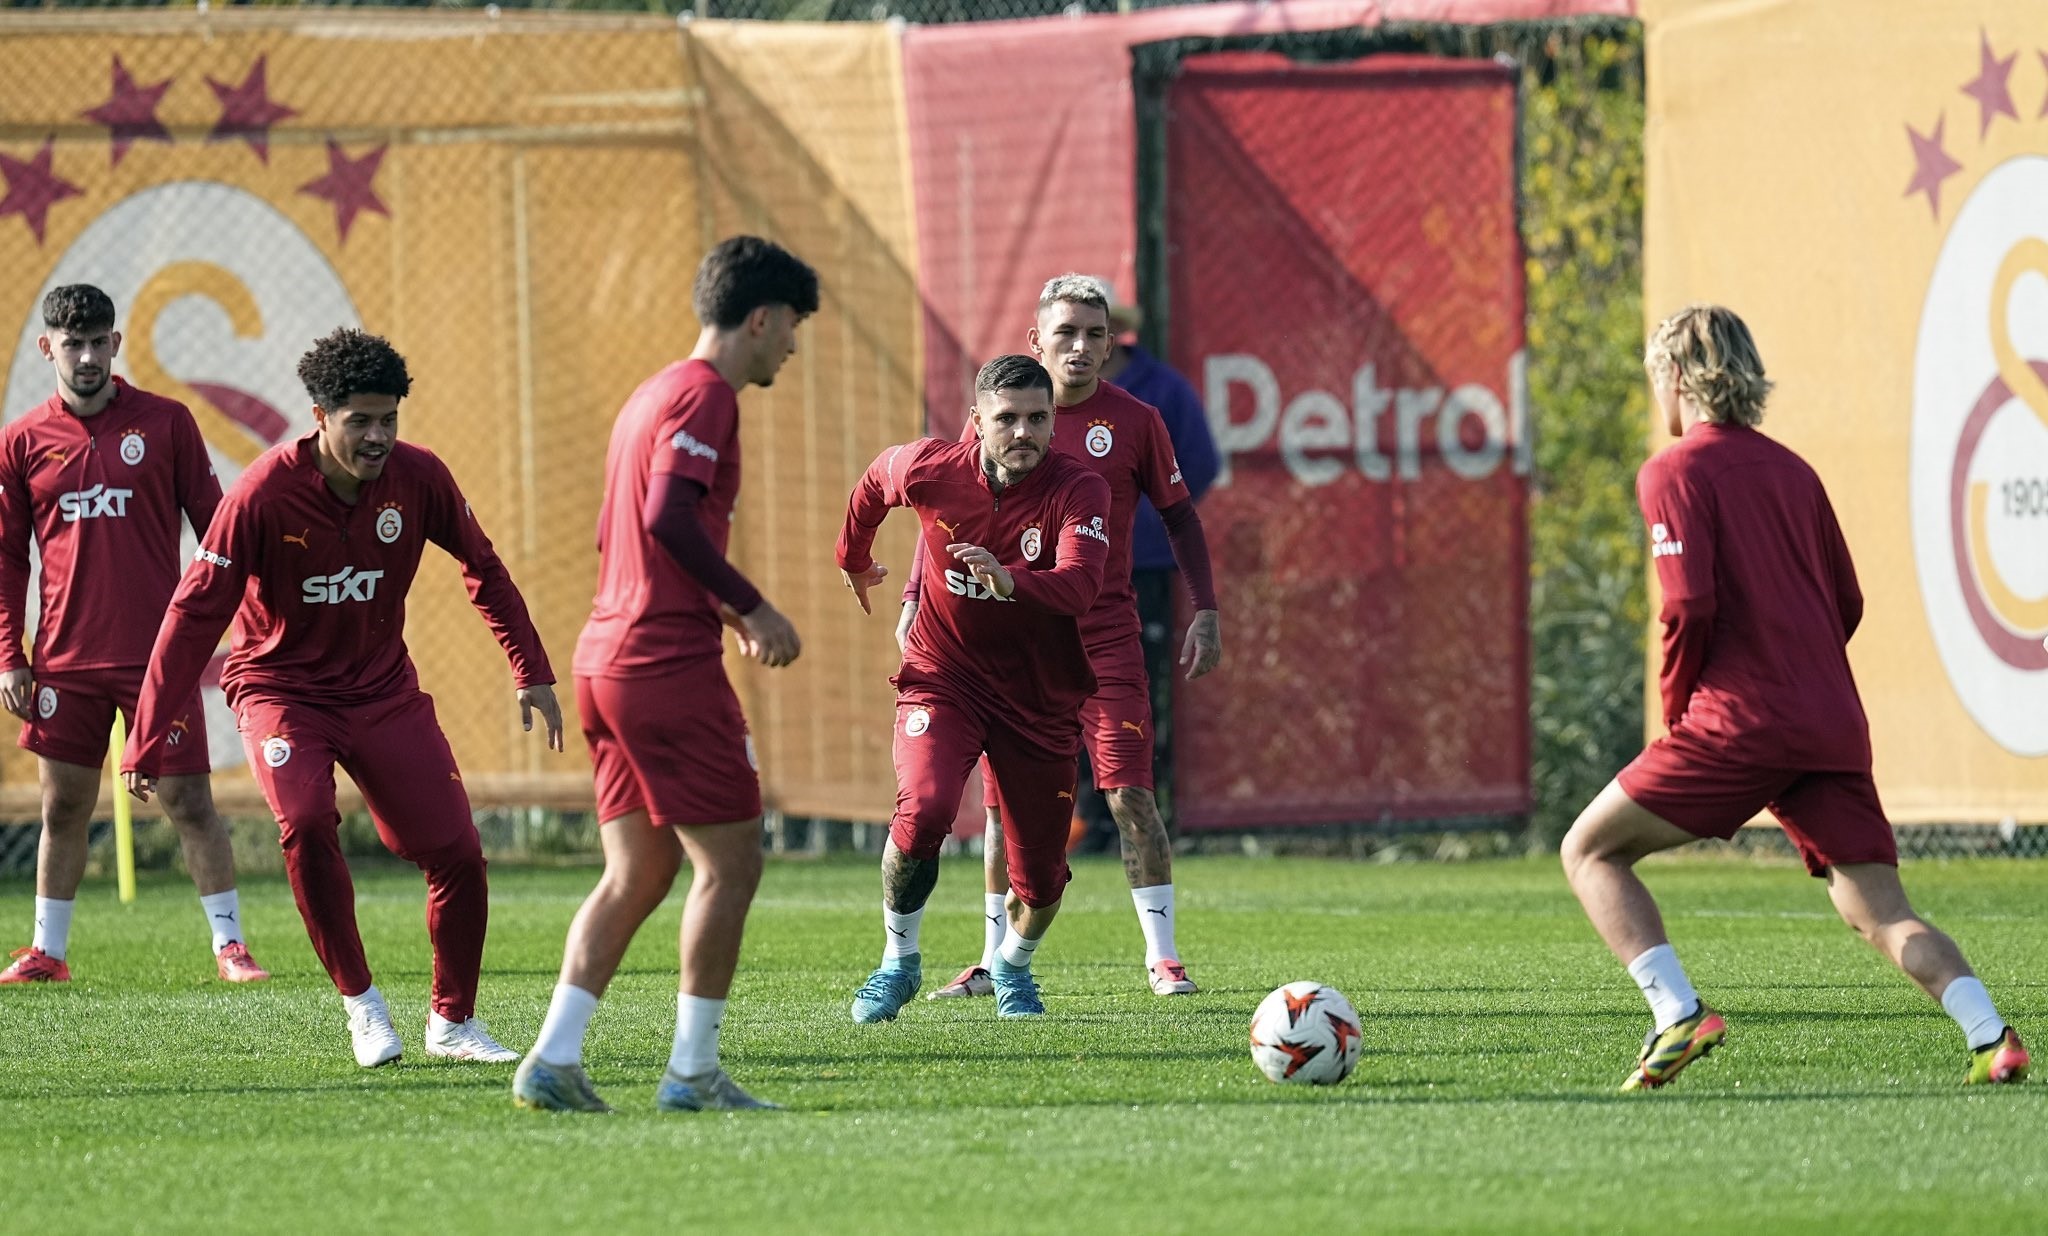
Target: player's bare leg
907	883
726	861
995	883
1600	853
210	857
1148	867
1870	899
70	791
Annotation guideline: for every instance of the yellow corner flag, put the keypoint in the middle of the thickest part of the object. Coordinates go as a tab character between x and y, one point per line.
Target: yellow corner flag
124	818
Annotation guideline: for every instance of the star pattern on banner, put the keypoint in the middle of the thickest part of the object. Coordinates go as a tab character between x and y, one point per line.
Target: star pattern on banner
247	111
130	113
32	188
1931	165
1992	87
349	185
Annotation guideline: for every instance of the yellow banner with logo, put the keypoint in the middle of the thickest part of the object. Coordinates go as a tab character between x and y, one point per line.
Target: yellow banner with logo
520	205
1866	182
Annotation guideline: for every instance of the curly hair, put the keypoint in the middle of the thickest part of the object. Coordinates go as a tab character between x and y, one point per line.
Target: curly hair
745	273
78	309
1716	360
1014	372
350	362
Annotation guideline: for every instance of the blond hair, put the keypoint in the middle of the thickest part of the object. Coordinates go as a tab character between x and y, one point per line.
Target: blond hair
1074	289
1716	361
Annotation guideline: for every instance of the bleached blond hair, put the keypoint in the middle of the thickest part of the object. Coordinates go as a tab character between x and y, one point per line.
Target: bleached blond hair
1716	361
1074	289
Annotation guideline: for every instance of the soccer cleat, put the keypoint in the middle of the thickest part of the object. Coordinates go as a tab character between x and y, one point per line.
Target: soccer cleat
540	1086
467	1040
973	981
372	1035
1666	1053
1016	993
33	965
706	1092
236	966
1999	1064
887	990
1170	978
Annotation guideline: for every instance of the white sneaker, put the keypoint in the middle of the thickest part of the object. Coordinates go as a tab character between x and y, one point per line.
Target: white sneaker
372	1034
468	1040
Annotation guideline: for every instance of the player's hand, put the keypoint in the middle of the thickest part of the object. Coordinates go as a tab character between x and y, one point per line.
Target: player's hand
1204	648
749	646
774	639
542	696
140	784
982	564
861	581
903	621
18	691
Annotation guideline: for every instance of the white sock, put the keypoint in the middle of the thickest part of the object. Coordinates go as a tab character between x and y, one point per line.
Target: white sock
899	933
562	1030
696	1047
1155	919
1016	951
53	925
1968	1002
439	1025
370	997
995	920
224	915
1664	985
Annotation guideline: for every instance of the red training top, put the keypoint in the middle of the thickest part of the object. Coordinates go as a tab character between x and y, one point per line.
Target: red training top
1124	440
102	496
1760	599
316	588
650	613
1049	530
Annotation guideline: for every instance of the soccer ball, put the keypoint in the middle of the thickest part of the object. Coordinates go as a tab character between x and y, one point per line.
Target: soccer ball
1306	1034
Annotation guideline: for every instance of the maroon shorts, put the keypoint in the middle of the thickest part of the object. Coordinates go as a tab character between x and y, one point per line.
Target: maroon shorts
72	717
1834	818
937	741
392	749
1116	722
673	744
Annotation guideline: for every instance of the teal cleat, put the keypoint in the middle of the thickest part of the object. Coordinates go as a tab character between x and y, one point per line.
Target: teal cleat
715	1091
541	1086
887	990
1016	993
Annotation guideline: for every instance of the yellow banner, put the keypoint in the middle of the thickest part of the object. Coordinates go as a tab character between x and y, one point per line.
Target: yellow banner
1864	181
520	205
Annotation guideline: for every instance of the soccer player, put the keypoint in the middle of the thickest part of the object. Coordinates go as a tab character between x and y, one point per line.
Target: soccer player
98	476
1760	599
311	555
1125	442
994	662
675	767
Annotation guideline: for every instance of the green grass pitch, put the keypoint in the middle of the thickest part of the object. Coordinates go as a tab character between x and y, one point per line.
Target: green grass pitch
147	1097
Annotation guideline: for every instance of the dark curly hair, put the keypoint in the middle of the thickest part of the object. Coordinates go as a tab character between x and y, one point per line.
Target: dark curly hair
744	273
78	308
1015	372
351	362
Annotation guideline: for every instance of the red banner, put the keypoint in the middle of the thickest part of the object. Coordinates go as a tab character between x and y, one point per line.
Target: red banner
1346	290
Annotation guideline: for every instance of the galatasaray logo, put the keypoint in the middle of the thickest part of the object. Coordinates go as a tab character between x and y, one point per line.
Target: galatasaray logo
1980	431
1034	540
1099	438
218	217
916	722
389	524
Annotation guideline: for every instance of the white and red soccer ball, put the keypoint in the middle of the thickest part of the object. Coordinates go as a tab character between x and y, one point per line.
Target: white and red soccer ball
1306	1034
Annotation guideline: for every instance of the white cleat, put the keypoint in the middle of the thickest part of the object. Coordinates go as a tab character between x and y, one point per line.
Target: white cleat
468	1040
371	1033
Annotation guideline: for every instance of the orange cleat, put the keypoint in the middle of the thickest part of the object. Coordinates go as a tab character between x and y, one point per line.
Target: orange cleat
33	965
236	966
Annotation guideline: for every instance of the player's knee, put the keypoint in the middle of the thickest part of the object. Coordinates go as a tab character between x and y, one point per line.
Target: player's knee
1136	810
189	803
460	858
921	830
1038	874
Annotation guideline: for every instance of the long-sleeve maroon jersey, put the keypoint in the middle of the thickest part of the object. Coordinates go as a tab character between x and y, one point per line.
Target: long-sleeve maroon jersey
1760	599
1023	653
316	589
102	498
